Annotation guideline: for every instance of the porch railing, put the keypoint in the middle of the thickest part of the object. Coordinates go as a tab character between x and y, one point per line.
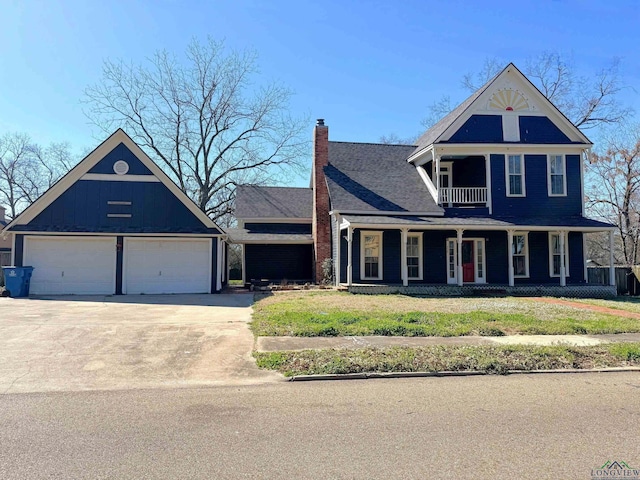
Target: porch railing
463	195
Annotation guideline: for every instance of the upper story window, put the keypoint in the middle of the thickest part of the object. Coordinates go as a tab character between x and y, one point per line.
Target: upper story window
414	256
515	176
557	179
371	259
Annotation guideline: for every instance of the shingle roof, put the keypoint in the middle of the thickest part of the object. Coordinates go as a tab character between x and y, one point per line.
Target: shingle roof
273	202
370	177
506	222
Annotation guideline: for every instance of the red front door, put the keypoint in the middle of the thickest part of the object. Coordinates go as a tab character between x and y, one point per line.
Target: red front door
468	262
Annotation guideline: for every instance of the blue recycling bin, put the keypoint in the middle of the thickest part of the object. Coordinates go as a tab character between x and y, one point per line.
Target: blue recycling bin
17	280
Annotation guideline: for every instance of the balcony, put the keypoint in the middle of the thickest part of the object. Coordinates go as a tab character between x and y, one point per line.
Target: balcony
463	196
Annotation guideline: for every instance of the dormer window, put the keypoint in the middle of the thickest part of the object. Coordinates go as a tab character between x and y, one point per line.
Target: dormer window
515	176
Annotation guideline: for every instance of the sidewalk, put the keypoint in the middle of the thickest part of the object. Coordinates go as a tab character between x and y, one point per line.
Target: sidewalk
271	344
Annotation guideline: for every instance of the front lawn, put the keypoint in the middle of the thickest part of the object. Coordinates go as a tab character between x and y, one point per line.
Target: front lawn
330	313
628	304
487	359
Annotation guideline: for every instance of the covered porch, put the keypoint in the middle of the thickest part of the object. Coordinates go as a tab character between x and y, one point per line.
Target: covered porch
472	254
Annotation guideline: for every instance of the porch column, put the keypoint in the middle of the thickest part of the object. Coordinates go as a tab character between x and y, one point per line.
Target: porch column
336	264
510	254
563	271
403	255
349	255
487	167
612	270
459	260
436	167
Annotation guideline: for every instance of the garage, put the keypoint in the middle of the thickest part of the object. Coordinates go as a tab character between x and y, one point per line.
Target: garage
71	265
155	266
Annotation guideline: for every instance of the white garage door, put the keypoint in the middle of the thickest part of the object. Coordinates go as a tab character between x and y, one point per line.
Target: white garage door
167	266
71	265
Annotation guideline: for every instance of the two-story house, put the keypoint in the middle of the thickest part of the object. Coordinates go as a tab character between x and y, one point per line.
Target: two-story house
490	197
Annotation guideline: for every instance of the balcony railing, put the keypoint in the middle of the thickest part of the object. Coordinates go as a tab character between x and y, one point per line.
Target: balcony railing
463	195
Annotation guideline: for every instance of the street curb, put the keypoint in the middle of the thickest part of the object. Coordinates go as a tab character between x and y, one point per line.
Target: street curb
466	373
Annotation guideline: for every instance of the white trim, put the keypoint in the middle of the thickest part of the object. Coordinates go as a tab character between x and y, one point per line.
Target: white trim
371	233
338	240
427	181
487	166
499	148
417	235
218	265
564	175
507	174
119	234
525	254
349	256
118	137
459	275
499	228
109	177
551	254
117	202
13	250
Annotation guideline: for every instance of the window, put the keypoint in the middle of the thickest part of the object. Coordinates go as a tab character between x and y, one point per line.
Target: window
554	255
520	255
371	257
414	256
557	181
451	261
515	176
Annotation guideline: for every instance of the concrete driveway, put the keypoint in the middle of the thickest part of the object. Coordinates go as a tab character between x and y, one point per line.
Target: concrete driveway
125	342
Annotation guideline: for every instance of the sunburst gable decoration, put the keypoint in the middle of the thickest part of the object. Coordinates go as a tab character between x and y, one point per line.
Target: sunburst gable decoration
508	100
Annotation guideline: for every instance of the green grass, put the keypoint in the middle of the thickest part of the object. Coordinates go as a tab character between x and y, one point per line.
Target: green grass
310	314
236	282
628	304
487	359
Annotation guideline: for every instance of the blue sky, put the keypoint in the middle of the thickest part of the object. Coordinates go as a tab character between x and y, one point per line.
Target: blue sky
368	67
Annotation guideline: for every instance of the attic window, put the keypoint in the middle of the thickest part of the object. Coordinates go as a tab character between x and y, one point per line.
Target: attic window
121	167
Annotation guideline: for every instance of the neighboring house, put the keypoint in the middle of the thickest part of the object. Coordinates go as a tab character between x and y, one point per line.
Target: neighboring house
274	229
5	246
116	224
489	197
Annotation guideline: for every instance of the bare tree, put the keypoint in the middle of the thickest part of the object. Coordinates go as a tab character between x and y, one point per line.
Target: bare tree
27	169
203	119
614	191
588	102
394	139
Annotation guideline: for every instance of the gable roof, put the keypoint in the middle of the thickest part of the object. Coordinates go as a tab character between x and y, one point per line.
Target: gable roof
75	174
436	133
255	202
376	178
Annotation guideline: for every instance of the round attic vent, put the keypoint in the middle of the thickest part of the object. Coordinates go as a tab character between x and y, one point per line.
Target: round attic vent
121	167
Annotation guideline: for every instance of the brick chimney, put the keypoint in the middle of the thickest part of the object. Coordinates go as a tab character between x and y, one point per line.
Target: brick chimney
321	220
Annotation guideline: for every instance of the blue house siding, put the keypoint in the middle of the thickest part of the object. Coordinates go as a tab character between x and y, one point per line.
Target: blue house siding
279	262
19	251
120	264
295	228
540	130
434	254
84	208
537	201
479	129
121	152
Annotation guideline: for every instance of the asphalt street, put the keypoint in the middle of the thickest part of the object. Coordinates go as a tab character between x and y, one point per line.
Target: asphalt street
556	426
